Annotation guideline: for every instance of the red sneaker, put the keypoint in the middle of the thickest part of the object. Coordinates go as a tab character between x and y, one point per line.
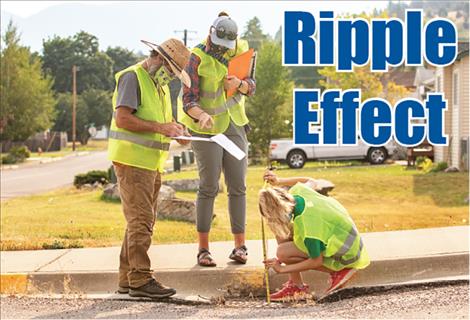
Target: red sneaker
339	279
290	290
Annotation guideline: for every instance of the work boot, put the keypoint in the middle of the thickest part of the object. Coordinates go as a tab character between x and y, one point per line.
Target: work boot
153	289
123	290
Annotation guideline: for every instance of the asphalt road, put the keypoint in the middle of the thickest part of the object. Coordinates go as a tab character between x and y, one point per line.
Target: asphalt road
38	178
442	301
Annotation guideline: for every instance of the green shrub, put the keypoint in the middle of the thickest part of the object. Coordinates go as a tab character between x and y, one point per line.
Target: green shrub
90	178
440	166
112	175
426	165
20	152
16	155
419	160
9	159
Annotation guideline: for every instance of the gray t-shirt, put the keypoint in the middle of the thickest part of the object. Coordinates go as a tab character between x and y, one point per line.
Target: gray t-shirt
128	91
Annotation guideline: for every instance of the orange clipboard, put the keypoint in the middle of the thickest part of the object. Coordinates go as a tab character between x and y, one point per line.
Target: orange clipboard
241	66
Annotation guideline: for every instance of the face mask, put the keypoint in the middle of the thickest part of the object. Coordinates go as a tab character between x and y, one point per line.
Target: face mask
162	76
220	50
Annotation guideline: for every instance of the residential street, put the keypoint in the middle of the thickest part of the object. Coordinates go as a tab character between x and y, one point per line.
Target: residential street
425	302
44	177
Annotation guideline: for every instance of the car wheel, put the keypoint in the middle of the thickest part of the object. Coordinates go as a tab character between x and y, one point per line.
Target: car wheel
377	155
296	159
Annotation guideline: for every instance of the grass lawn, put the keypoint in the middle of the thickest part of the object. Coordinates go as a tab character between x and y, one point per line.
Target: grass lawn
378	197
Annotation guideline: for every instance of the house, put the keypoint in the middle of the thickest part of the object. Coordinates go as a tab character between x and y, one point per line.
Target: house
453	81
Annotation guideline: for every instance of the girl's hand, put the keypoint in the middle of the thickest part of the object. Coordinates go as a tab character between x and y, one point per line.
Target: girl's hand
275	264
205	121
271	177
231	82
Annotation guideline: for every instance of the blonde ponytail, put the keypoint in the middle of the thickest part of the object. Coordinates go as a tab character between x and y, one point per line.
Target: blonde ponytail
275	204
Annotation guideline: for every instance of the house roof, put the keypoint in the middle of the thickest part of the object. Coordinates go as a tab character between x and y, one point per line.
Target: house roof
403	78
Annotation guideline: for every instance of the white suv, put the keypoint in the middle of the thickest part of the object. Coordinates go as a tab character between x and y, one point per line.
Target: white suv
297	155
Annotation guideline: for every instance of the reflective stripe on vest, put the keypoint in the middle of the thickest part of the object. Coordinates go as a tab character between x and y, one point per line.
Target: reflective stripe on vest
211	95
338	256
233	101
139	140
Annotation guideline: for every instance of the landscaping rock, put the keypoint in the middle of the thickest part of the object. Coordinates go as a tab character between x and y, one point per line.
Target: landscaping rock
451	170
183	184
166	193
324	186
177	209
111	192
188	185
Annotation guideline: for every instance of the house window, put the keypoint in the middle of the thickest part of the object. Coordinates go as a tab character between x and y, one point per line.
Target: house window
455	86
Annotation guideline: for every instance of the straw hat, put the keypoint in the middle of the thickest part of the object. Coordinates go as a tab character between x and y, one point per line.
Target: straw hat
176	54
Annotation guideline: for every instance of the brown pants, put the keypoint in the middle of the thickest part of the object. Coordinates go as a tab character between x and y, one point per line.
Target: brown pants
139	192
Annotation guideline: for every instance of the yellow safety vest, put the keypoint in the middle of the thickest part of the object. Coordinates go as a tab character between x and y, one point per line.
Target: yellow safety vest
212	96
325	219
142	149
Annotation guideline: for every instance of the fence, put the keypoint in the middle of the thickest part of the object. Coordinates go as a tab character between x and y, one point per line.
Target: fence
47	141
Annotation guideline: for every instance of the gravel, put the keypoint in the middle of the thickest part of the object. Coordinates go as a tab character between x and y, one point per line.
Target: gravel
437	301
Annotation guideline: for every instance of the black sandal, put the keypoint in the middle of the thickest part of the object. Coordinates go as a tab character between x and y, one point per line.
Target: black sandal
239	254
204	254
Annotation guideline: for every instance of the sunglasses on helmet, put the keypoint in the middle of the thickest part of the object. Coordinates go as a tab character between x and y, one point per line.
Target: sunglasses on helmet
221	33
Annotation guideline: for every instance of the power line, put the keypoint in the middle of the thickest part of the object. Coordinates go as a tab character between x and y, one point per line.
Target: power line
185	35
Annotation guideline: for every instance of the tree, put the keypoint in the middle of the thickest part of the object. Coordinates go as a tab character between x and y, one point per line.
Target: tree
96	67
254	34
26	96
122	58
93	110
270	109
99	107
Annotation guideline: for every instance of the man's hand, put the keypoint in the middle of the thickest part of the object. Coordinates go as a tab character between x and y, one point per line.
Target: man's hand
271	177
182	141
231	82
170	129
275	264
205	121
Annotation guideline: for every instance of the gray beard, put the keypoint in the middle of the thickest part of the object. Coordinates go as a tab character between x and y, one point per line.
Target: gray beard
152	70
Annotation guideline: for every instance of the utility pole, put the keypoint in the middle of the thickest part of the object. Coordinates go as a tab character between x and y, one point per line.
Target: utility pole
185	35
74	105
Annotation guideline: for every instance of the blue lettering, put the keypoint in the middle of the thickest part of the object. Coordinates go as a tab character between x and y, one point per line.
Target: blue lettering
406	132
376	116
303	116
293	37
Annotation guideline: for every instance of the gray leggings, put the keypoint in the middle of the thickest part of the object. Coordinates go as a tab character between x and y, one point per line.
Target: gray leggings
211	160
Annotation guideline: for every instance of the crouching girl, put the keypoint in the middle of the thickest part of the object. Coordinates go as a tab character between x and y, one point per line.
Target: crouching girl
314	232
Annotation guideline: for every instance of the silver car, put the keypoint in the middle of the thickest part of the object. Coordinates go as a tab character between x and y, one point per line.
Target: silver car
296	155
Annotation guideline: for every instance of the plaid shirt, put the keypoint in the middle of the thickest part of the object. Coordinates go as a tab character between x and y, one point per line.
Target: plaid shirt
191	95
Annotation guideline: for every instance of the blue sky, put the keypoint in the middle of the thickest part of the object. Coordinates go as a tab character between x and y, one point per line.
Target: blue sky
124	23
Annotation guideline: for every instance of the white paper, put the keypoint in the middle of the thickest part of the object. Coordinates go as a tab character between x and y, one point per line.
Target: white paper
229	146
192	138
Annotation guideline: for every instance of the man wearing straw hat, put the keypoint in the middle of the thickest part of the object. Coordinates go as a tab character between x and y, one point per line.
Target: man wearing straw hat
139	140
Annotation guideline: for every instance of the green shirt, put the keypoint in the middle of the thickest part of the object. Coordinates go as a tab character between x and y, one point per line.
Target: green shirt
314	246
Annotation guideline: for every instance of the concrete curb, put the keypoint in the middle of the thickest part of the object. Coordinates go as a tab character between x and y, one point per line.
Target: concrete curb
247	281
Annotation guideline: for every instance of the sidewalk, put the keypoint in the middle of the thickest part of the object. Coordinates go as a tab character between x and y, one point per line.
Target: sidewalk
397	257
